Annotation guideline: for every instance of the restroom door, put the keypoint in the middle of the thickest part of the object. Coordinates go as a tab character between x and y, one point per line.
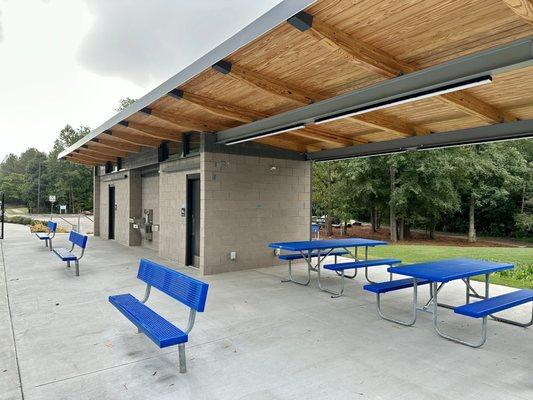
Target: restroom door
112	209
193	221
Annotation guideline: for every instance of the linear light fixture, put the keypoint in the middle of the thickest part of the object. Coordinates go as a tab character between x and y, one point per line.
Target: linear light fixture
483	80
265	134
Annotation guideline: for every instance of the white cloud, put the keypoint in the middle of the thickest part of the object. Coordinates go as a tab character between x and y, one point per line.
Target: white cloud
147	42
70	61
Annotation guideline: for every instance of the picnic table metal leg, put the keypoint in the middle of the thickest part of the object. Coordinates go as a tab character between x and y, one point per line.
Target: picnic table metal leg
414	308
322	287
452	338
183	360
291	279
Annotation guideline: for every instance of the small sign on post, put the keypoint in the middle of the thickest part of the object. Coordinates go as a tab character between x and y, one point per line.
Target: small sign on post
62	209
52	200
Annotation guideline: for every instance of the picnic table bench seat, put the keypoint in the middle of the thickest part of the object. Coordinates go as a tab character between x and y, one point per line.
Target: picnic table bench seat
48	236
390	286
185	289
483	308
77	239
362	264
299	256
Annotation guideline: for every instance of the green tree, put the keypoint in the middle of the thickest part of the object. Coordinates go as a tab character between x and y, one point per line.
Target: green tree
488	175
124	103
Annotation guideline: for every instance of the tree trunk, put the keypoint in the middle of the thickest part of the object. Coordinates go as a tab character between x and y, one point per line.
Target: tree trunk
432	230
401	229
373	218
392	212
329	228
471	221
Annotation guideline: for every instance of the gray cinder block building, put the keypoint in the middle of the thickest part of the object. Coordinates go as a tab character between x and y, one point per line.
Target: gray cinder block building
215	163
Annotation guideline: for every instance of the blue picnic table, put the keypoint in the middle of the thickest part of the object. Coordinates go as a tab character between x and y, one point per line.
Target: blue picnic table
437	274
320	249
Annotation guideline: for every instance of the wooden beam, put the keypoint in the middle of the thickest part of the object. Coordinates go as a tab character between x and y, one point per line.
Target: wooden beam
85	157
523	8
78	161
155	132
182	122
109	143
217	108
311	132
132	138
286	144
376	60
404	127
355	51
91	149
270	85
473	106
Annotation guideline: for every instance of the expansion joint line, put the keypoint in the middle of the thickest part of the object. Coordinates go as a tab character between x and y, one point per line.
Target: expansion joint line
3	261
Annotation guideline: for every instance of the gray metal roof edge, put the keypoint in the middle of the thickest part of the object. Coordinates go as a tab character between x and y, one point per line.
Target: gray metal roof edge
521	129
266	22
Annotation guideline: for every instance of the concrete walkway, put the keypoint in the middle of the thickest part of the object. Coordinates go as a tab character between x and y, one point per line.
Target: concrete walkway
258	339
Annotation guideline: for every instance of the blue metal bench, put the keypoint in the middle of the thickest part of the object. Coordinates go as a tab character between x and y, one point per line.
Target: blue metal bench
48	236
183	288
76	239
390	286
355	265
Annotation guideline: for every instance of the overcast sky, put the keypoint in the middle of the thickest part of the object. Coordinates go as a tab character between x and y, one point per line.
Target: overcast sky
70	61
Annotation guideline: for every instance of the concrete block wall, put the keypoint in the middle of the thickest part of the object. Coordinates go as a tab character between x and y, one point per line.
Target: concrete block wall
172	195
248	202
121	182
150	200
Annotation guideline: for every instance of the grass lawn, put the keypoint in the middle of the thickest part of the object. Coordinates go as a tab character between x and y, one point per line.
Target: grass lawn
522	258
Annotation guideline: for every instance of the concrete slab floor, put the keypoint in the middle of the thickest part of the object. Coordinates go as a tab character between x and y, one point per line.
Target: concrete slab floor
258	339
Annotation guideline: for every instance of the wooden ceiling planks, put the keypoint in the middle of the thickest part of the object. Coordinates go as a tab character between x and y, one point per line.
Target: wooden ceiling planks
350	45
522	8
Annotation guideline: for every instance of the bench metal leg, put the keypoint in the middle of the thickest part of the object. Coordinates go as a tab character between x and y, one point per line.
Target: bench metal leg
45	242
51	247
68	264
414	308
183	361
77	268
479	343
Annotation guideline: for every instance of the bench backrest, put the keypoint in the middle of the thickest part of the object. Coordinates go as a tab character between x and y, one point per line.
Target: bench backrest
181	287
52	226
78	239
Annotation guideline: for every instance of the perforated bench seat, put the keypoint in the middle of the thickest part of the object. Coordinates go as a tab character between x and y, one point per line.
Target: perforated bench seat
65	255
390	286
162	332
298	256
482	308
362	264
